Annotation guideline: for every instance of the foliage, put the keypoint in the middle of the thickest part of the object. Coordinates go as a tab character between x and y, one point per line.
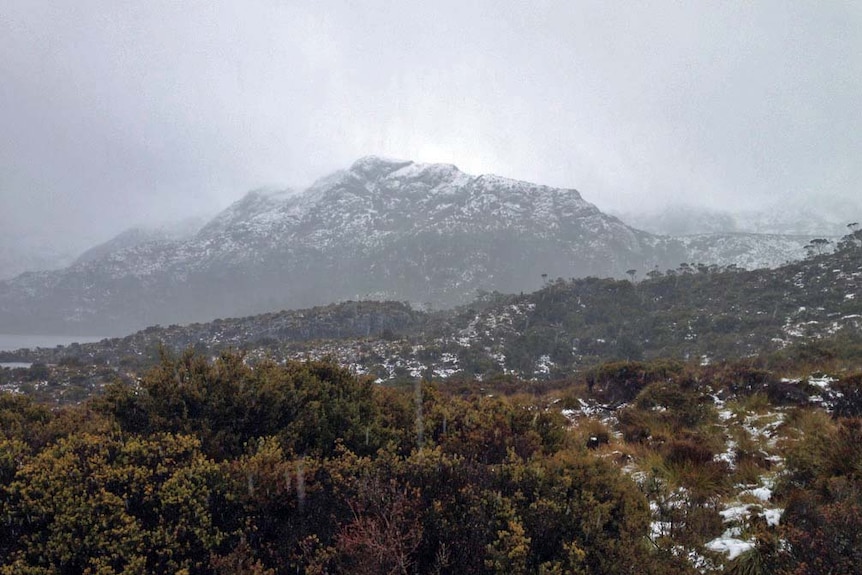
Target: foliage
620	382
227	403
822	523
91	504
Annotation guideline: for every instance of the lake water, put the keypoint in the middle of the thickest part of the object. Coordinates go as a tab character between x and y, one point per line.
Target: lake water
15	364
13	342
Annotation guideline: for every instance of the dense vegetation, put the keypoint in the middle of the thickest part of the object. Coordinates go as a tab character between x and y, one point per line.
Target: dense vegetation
221	467
224	468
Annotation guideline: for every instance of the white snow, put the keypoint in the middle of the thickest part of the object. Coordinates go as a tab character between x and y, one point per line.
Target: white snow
730	545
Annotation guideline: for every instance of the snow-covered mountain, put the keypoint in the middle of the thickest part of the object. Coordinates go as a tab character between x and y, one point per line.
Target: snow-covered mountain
381	229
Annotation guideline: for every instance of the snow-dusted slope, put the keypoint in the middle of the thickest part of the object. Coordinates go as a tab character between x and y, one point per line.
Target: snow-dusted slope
745	250
380	202
426	233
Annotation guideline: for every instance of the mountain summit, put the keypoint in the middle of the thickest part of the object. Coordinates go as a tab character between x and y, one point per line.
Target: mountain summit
381	229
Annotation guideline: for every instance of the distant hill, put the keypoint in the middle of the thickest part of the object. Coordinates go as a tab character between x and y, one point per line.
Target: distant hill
701	313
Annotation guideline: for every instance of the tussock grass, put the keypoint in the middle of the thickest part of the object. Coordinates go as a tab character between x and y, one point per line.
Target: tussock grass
590	427
756	403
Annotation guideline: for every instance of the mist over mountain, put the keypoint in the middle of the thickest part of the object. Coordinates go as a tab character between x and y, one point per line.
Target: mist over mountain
139	235
381	229
787	218
38	251
20	253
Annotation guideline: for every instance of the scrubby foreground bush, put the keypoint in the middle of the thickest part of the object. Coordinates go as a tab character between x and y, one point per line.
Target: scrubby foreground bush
224	468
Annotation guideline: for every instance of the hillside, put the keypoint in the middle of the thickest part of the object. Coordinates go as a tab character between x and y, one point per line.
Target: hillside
691	312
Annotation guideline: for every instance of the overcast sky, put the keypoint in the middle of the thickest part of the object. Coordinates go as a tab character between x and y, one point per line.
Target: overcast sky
116	112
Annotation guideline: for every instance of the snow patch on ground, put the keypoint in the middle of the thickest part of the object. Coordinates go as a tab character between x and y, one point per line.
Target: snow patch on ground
731	546
737	516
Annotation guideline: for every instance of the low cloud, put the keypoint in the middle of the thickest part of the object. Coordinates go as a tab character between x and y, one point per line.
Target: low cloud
119	113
